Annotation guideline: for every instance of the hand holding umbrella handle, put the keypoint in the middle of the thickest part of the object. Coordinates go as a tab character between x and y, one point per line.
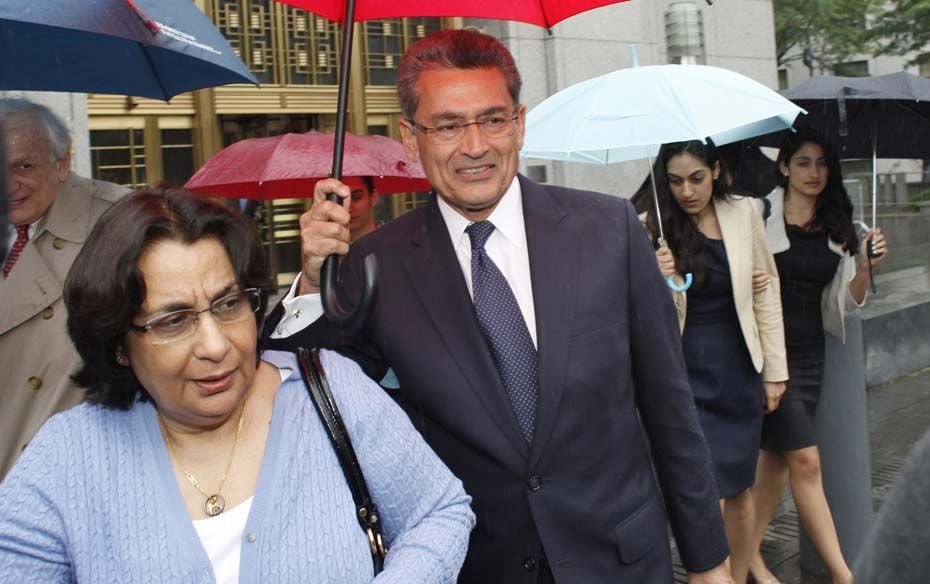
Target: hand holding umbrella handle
333	308
670	280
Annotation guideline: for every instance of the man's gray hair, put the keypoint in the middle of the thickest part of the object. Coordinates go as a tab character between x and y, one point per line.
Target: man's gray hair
59	138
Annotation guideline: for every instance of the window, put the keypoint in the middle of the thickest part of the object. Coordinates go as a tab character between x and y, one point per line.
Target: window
782	79
925	68
852	69
118	156
305	54
290	46
385	42
177	153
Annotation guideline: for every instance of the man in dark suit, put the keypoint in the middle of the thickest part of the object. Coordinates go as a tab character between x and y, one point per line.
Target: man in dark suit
535	342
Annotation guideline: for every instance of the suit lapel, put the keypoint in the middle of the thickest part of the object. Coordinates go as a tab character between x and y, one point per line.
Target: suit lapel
553	252
437	279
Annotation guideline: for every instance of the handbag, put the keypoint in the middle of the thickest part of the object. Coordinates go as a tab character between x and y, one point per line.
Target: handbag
366	511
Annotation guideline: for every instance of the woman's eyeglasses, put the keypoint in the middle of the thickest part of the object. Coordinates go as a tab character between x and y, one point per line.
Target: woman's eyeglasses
181	324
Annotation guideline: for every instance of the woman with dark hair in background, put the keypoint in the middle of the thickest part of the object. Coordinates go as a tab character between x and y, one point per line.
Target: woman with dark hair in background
198	459
824	274
732	334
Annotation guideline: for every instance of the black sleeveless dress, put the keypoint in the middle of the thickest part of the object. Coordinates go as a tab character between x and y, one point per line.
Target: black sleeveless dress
804	269
727	389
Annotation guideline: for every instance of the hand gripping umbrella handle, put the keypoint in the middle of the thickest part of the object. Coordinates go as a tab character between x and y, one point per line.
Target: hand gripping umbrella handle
670	280
333	308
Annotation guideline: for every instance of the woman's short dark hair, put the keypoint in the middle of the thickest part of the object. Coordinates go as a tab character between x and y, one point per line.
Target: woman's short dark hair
681	232
105	289
833	210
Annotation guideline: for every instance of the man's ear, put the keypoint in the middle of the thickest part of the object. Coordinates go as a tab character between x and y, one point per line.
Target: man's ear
373	198
409	139
521	124
63	167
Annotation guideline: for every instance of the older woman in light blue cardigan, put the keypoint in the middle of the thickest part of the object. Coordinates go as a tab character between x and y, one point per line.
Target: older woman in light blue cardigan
196	461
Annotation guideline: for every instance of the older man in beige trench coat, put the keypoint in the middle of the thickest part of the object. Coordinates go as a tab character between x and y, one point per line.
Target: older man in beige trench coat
53	211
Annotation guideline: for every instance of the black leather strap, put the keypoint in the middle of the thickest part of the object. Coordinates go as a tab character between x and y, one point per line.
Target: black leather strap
366	511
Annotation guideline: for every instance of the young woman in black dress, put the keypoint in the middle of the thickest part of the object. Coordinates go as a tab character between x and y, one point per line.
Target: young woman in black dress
824	273
733	337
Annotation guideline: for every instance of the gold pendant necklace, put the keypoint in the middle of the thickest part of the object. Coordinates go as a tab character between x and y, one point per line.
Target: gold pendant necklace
214	504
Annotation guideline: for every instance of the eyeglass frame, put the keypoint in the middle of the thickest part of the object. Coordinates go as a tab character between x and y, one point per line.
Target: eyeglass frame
248	293
427	130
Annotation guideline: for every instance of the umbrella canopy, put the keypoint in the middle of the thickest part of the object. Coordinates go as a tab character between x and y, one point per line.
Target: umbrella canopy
628	114
545	13
148	48
889	112
290	164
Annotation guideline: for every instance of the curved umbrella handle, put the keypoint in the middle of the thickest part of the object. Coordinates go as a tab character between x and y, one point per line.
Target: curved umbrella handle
670	280
335	312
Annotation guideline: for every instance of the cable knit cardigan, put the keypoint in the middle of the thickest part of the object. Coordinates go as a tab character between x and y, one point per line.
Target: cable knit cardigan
93	498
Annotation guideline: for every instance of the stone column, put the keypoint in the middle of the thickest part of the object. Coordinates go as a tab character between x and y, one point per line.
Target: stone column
843	438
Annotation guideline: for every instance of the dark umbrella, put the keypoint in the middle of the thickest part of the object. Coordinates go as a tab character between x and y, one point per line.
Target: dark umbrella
886	116
148	48
545	13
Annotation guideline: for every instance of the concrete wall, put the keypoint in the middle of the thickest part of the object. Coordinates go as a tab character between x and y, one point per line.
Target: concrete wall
72	107
738	35
895	322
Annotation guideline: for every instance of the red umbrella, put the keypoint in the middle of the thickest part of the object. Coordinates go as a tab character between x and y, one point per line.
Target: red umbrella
545	13
289	165
542	12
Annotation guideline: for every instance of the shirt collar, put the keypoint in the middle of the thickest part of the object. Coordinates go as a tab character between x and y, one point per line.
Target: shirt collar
507	217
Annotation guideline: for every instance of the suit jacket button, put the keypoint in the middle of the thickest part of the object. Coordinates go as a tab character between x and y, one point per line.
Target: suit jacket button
58	243
48	313
534	484
34	382
529	564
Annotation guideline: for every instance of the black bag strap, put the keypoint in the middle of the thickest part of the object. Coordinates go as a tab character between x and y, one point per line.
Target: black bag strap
366	511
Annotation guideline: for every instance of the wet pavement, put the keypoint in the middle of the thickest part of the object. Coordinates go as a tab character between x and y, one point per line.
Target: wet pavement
899	414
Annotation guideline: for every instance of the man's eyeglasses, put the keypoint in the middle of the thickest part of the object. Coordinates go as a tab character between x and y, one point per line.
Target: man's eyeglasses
180	324
491	126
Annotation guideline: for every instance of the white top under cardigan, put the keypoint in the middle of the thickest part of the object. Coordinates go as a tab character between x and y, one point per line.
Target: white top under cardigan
837	300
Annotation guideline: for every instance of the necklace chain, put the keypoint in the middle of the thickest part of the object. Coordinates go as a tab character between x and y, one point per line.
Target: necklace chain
214	504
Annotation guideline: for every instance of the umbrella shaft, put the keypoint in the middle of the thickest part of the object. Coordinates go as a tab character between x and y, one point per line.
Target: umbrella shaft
348	28
655	199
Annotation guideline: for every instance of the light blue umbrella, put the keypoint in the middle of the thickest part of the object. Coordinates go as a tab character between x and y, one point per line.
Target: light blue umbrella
630	113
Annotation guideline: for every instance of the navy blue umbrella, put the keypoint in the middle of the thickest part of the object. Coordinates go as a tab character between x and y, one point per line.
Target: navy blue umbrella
147	48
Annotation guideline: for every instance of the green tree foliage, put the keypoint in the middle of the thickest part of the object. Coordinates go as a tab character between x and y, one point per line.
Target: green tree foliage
903	28
822	33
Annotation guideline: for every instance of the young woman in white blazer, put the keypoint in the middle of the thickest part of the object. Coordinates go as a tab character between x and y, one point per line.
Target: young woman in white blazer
824	273
732	337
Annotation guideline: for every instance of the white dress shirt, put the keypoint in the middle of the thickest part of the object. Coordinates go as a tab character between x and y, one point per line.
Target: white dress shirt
506	247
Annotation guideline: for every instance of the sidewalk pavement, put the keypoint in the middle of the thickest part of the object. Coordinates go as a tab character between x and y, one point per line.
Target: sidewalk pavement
899	414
